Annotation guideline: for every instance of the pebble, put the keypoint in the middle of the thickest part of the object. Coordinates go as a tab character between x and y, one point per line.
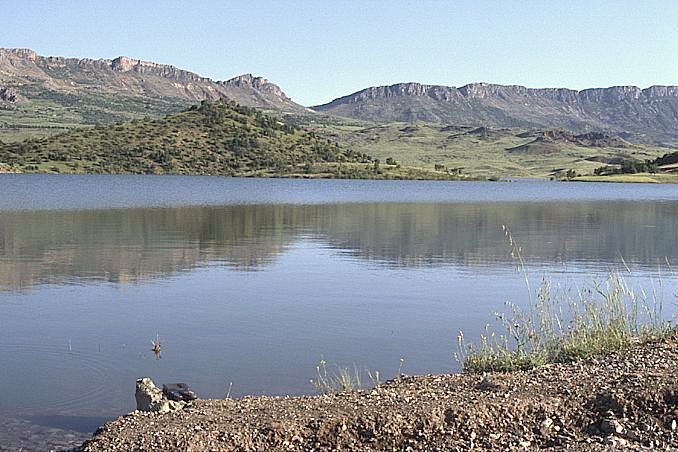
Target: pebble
611	426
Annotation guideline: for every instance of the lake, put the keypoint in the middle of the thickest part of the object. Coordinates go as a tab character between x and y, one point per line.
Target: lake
248	283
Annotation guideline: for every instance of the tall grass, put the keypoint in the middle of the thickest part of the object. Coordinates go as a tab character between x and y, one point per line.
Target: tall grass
339	379
558	327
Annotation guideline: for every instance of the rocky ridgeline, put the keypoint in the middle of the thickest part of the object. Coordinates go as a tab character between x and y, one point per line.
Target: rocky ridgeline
643	115
124	76
256	83
489	91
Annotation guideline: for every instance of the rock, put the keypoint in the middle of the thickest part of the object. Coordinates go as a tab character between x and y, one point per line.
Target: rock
615	441
545	426
150	398
10	95
611	426
487	384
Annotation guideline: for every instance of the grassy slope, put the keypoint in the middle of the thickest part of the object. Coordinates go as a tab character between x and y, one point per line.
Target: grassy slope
426	144
213	139
50	112
639	178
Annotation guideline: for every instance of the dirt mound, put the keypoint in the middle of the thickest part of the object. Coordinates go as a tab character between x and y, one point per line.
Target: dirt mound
551	141
536	147
606	160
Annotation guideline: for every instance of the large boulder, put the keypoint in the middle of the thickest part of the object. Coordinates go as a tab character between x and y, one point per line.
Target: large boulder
150	398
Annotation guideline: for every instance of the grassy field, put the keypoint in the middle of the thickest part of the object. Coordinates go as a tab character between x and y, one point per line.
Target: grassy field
479	153
658	178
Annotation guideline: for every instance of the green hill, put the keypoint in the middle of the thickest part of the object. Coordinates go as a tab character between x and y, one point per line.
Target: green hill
215	138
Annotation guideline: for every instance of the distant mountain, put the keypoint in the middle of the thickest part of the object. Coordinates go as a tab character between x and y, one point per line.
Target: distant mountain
645	115
57	90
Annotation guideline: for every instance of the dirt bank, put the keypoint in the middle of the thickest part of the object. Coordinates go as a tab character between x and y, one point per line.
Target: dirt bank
628	400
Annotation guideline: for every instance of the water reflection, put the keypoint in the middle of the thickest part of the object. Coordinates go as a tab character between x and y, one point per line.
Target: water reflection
138	244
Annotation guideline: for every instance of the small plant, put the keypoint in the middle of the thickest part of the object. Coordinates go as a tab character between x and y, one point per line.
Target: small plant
340	379
400	367
375	378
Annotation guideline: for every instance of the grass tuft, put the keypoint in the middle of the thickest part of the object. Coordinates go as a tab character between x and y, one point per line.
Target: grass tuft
343	379
337	380
558	327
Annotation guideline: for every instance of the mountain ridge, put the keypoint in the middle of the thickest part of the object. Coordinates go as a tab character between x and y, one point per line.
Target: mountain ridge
24	72
40	95
628	110
483	89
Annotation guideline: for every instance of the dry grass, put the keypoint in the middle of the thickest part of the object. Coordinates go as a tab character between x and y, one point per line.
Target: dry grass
559	326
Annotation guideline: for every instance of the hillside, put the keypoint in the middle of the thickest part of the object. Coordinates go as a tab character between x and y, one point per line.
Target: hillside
486	152
214	138
43	95
648	115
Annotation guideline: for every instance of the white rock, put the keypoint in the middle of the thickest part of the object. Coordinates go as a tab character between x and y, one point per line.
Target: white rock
150	398
611	426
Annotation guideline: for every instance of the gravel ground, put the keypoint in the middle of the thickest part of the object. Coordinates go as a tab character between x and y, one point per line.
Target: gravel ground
625	400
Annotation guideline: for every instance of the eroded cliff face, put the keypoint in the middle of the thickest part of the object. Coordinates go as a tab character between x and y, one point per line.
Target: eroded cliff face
650	113
492	91
23	71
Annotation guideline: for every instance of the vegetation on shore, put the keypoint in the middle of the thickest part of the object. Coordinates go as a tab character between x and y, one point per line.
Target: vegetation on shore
558	326
639	178
661	169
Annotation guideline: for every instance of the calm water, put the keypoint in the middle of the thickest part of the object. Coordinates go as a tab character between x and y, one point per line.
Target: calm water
253	281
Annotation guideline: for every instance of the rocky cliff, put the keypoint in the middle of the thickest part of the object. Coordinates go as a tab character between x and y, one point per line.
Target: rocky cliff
649	114
100	84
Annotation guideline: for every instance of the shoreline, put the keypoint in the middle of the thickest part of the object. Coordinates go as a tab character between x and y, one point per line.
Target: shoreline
624	399
640	178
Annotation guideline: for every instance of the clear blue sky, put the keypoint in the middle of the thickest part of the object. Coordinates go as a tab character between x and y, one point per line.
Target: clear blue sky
317	50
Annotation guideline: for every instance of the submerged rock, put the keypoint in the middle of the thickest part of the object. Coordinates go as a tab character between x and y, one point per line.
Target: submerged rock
151	398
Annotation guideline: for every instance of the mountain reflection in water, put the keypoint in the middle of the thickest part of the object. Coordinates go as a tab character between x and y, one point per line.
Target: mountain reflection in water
122	245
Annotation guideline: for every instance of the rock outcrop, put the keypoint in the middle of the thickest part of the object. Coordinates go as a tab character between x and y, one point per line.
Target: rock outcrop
10	95
151	398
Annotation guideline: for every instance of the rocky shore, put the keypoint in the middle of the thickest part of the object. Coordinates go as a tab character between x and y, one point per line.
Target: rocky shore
625	400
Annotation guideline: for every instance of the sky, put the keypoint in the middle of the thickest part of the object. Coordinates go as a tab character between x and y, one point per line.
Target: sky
318	50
